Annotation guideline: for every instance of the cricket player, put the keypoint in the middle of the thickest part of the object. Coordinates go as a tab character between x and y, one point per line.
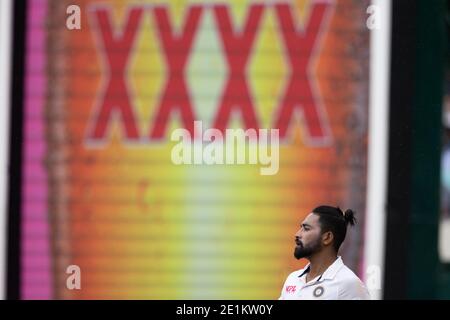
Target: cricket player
326	276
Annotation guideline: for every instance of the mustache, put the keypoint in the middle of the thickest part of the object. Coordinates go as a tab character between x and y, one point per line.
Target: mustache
299	243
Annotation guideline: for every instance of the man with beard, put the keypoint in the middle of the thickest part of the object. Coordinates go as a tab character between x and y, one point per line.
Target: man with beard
325	277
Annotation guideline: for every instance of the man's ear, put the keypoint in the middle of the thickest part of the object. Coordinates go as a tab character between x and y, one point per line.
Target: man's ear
327	238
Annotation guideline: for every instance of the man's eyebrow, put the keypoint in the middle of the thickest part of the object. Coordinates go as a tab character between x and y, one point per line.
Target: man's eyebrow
305	225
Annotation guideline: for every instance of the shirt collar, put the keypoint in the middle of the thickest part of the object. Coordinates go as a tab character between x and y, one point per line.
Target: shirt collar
304	271
331	271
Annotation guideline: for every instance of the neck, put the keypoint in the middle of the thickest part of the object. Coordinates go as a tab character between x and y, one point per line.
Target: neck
320	262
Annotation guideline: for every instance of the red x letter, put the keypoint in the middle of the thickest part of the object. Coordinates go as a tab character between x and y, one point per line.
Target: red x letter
177	50
299	45
237	48
117	48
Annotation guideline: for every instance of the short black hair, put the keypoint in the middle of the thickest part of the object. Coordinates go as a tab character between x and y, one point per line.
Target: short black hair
334	220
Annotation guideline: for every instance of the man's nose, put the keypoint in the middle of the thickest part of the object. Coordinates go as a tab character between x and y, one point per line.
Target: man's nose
298	234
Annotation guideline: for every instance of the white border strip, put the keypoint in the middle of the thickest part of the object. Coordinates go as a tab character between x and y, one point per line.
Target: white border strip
6	14
374	244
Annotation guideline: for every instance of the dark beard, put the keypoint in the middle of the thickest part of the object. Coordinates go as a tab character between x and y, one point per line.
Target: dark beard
306	252
302	252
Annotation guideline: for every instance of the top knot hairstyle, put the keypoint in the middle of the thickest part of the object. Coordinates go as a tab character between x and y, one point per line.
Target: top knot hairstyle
335	220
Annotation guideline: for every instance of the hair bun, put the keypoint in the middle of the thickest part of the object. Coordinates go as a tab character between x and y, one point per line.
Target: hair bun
349	217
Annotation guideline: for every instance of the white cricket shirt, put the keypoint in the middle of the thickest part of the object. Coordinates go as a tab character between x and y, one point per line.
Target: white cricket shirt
338	282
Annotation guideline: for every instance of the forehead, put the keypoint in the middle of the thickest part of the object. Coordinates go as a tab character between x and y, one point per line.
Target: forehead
311	219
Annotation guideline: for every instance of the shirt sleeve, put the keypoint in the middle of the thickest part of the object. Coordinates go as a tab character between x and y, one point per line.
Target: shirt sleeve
353	290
